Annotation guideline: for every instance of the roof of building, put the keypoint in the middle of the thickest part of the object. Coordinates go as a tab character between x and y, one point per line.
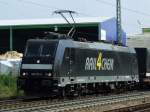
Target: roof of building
24	22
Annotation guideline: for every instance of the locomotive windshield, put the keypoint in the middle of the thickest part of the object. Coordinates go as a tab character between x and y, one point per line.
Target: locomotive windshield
45	49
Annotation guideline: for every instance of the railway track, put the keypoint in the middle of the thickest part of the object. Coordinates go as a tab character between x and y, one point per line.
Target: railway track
136	108
69	105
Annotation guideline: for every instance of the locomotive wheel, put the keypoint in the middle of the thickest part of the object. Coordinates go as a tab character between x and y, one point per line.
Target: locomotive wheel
71	91
62	92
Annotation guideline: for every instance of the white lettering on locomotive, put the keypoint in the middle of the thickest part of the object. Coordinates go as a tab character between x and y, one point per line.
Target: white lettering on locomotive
90	64
107	64
99	63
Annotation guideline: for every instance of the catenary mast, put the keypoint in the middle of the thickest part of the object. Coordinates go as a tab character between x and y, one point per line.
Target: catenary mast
119	29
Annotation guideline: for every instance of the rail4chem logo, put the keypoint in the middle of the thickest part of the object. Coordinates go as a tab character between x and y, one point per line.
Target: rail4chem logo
99	63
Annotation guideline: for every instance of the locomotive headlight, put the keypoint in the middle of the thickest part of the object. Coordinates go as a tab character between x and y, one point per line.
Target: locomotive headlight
48	74
24	74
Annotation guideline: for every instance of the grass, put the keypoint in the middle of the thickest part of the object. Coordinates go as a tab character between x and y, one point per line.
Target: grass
8	86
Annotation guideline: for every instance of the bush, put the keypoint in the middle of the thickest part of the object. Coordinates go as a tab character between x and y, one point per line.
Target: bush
8	86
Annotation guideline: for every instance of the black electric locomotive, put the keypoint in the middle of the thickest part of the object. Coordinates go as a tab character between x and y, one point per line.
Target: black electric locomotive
61	65
68	67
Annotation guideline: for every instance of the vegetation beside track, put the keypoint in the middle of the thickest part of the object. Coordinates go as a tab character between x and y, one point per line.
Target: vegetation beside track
8	86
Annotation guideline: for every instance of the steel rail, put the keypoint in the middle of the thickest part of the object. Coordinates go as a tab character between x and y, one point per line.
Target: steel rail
75	104
135	108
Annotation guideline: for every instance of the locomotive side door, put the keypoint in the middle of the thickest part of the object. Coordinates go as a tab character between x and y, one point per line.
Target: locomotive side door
69	61
72	64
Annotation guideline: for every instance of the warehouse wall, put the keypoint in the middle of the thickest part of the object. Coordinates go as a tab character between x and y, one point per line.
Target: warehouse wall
20	36
4	40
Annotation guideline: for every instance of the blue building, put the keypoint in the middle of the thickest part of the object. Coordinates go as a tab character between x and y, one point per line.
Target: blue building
109	26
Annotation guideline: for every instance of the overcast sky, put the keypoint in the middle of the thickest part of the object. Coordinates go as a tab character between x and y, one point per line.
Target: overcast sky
135	13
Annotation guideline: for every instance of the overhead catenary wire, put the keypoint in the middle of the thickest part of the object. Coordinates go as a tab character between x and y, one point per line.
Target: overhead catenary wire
3	3
56	8
124	8
79	13
49	6
127	9
84	14
39	4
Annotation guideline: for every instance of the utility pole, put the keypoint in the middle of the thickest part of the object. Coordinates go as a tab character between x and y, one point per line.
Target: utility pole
119	29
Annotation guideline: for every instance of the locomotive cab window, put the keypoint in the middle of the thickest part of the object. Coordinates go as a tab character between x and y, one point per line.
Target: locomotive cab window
48	49
33	49
44	49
